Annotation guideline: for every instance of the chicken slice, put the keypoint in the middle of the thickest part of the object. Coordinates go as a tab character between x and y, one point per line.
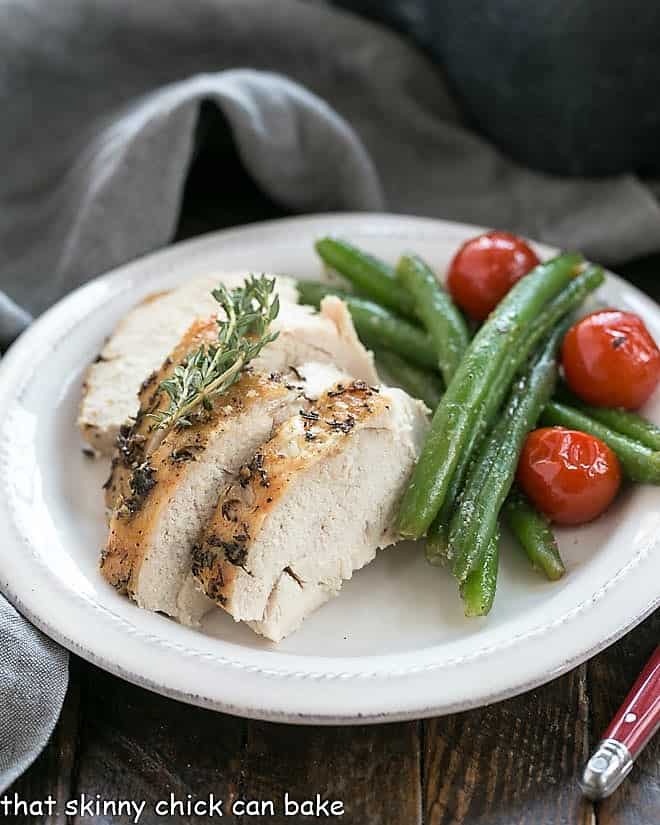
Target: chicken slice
304	336
138	438
172	490
312	505
138	346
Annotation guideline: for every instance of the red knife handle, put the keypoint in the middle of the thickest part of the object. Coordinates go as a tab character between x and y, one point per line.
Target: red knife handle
638	718
635	722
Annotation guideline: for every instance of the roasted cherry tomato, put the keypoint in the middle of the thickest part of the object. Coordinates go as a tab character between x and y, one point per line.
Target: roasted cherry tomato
485	268
611	360
569	475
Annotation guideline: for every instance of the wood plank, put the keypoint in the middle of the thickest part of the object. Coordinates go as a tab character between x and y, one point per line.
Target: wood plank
136	745
51	775
611	675
373	770
513	763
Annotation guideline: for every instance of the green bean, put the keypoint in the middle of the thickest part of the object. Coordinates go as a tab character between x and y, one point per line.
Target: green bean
437	541
638	462
437	312
376	327
416	382
438	550
534	534
530	528
478	590
313	292
462	406
372	277
569	299
463	556
622	421
474	522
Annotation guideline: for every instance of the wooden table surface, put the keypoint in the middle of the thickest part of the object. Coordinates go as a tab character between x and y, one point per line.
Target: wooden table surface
512	762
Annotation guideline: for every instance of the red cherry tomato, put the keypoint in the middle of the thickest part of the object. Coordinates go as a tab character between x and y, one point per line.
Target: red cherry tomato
569	475
485	268
610	359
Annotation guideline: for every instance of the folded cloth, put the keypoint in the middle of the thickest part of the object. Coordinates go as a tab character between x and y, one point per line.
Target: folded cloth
13	320
33	681
100	104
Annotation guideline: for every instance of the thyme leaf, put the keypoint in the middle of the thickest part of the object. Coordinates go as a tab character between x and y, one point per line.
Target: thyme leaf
211	369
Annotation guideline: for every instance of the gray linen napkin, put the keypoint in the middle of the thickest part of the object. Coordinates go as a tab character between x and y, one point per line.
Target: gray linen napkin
33	681
100	103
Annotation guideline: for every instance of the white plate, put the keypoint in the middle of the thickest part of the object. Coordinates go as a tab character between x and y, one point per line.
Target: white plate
395	644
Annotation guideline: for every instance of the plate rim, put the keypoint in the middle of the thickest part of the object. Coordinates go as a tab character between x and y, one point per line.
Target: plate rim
85	296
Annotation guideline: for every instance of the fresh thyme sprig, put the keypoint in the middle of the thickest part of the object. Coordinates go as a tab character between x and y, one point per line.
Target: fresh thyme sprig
211	369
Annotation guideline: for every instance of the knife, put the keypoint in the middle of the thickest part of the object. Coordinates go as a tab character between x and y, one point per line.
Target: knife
632	728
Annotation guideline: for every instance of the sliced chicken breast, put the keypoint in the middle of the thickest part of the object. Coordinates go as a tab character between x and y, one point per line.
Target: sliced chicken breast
174	489
312	505
304	336
289	604
138	346
325	337
138	438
